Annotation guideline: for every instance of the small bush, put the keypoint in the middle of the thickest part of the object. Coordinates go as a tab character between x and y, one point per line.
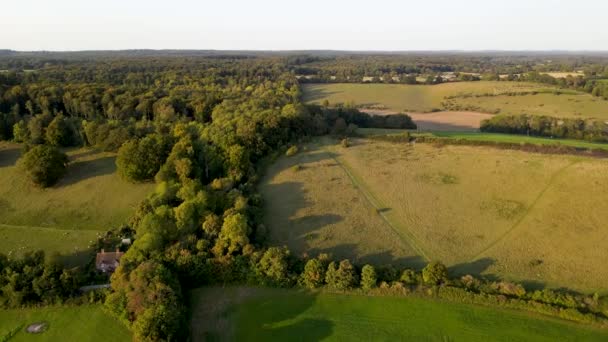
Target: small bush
345	143
292	151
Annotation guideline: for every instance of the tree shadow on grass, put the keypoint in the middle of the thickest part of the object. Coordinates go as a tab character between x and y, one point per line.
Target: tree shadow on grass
278	318
81	170
255	314
315	94
9	156
382	258
475	268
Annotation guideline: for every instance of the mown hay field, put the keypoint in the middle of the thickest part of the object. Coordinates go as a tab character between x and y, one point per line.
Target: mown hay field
462	96
522	216
90	197
255	314
78	323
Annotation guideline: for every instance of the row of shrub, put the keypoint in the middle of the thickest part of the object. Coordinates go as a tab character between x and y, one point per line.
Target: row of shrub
547	126
526	147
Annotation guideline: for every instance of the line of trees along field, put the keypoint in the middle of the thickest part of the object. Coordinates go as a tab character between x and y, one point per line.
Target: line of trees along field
199	128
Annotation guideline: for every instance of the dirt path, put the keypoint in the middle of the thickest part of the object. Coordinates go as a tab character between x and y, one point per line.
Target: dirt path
404	233
441	121
526	213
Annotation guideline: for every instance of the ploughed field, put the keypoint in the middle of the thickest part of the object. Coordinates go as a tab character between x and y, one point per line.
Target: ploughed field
490	97
255	314
528	217
90	199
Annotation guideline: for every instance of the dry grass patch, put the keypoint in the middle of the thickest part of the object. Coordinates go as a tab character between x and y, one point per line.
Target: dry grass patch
312	206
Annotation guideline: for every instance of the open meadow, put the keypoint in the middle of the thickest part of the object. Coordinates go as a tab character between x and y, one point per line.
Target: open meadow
77	323
91	198
484	96
254	314
503	213
321	210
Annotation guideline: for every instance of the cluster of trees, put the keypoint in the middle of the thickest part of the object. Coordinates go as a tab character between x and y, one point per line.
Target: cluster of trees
582	129
34	279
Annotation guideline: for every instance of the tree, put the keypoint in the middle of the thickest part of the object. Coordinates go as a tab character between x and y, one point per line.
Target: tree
435	273
60	132
341	277
314	274
273	267
43	165
368	277
234	232
140	160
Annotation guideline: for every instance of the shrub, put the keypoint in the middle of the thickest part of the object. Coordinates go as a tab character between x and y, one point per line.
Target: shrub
291	151
368	277
345	143
435	273
43	165
313	275
410	277
341	277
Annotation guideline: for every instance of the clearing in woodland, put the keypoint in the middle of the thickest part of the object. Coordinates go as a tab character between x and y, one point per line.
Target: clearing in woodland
262	314
504	213
91	198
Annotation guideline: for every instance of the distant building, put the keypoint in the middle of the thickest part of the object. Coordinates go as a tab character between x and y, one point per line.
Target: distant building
107	262
126	241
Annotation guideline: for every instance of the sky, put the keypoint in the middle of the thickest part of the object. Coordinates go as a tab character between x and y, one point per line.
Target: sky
393	25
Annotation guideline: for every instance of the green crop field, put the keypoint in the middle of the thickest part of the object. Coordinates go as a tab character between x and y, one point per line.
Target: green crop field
78	324
423	98
90	198
504	213
253	314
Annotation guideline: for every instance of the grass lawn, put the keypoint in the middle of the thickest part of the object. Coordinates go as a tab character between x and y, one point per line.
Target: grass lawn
253	314
90	197
504	213
71	244
422	98
78	324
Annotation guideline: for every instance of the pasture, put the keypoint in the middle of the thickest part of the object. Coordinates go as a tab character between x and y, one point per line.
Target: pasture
321	210
248	314
503	213
91	197
484	96
78	323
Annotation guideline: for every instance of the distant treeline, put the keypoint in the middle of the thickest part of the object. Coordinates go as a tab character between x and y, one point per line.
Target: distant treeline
546	126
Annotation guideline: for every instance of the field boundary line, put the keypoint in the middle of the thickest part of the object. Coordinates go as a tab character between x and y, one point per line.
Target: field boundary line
408	238
12	226
526	213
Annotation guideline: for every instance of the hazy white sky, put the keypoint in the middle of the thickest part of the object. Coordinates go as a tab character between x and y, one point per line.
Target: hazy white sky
310	24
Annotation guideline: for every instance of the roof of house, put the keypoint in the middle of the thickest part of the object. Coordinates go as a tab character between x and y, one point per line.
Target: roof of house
108	257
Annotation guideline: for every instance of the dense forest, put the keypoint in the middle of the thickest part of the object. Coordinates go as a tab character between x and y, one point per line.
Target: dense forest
201	127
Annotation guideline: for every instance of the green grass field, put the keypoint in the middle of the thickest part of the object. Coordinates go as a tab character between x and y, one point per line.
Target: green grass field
91	197
492	137
253	314
503	213
77	324
422	98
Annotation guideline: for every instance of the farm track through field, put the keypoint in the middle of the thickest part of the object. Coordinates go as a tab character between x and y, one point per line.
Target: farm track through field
526	213
405	234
